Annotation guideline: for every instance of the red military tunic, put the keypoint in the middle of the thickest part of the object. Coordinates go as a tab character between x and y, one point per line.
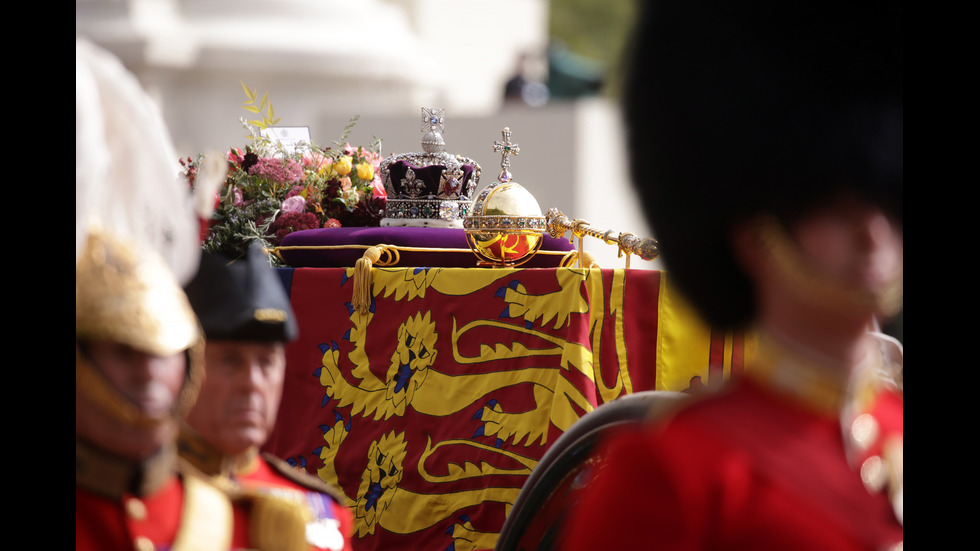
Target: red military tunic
121	504
331	522
764	465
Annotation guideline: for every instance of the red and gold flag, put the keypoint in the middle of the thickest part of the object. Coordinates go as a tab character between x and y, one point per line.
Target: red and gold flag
431	409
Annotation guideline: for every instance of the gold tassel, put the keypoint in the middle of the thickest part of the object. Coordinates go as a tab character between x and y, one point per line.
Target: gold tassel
588	260
363	279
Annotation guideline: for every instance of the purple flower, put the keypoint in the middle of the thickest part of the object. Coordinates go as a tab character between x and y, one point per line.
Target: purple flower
296	203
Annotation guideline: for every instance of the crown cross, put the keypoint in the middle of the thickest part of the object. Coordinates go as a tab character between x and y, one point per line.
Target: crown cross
506	149
433	120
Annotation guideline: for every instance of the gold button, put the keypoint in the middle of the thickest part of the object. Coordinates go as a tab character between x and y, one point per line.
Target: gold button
873	473
864	430
135	509
143	544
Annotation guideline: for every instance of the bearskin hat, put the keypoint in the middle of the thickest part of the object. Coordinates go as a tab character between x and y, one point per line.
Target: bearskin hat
735	109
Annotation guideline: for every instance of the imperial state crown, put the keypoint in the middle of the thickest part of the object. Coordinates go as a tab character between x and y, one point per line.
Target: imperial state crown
432	187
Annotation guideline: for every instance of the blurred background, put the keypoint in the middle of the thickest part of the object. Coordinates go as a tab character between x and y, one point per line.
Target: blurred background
548	69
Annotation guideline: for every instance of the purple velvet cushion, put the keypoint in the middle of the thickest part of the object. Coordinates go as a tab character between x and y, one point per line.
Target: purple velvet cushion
299	249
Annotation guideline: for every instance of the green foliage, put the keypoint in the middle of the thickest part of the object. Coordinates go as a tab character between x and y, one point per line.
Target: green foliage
347	130
264	108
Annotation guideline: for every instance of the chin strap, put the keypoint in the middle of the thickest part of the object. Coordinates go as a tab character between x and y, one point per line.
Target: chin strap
89	382
813	286
96	388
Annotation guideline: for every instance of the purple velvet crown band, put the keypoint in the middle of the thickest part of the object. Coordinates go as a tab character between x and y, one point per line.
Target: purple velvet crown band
427	178
307	255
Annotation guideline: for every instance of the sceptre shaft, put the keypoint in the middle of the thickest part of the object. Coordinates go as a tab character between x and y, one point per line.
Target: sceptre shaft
557	224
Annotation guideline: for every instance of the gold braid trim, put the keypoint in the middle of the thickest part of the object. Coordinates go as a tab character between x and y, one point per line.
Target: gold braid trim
207	521
391	250
571	257
390	255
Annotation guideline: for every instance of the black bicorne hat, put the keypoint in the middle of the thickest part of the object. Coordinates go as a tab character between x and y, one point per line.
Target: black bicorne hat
242	300
735	109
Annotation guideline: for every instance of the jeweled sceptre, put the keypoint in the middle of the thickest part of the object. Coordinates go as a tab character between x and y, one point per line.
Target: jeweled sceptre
629	244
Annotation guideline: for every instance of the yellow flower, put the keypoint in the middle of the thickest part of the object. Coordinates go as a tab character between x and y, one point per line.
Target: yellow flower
325	167
343	166
365	171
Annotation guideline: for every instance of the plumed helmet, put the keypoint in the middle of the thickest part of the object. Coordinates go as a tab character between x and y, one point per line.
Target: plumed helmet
735	109
130	296
242	300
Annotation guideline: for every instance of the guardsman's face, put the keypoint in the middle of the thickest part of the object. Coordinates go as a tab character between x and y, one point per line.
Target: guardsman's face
151	383
853	242
835	270
237	406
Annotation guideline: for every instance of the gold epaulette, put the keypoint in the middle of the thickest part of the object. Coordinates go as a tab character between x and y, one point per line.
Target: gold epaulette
277	523
305	479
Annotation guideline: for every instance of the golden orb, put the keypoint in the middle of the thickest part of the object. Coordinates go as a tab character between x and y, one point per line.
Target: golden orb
505	227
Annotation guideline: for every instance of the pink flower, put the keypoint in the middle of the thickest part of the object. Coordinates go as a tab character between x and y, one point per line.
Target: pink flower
332	223
280	171
378	189
317	162
345	183
296	204
372	157
237	198
236	156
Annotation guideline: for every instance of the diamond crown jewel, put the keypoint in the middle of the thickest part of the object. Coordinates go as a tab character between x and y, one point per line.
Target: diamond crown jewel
431	187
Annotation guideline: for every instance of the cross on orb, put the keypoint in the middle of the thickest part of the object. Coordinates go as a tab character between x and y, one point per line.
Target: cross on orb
506	149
